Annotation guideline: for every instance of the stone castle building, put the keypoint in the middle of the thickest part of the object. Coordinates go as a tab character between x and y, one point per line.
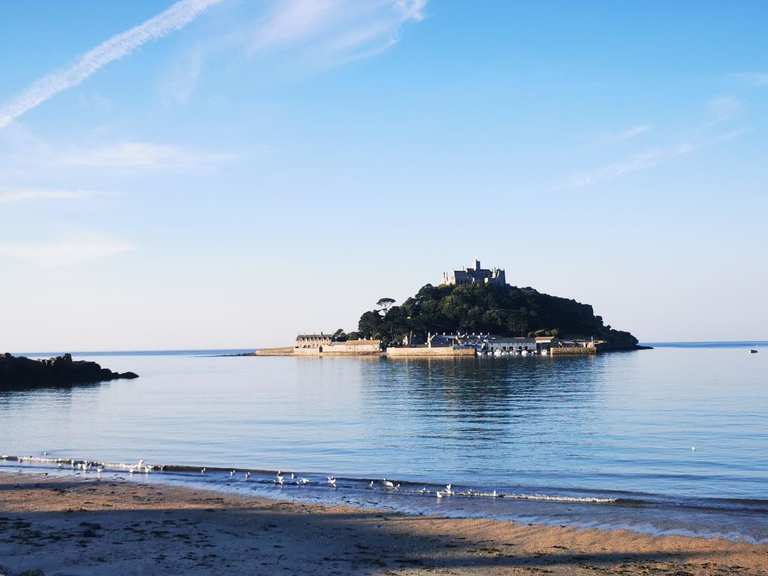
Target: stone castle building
476	275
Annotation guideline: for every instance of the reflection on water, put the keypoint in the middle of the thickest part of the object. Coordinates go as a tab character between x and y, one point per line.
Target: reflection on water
688	424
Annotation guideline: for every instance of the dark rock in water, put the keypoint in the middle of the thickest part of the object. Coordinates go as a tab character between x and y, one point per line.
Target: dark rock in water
18	372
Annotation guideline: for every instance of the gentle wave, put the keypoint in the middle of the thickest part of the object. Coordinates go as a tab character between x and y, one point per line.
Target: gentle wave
391	487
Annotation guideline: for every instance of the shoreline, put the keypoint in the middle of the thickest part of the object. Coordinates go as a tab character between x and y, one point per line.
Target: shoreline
84	526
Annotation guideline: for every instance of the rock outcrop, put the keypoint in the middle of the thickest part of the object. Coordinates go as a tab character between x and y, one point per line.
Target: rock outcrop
18	372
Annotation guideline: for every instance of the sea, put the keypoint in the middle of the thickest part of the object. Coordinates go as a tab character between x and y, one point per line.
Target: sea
672	440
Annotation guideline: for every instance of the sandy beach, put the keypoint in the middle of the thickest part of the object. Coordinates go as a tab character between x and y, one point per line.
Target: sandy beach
84	526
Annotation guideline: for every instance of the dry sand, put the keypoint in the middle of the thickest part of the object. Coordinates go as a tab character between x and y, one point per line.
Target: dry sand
69	526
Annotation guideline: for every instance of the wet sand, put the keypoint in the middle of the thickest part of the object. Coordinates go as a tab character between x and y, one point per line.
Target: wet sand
84	526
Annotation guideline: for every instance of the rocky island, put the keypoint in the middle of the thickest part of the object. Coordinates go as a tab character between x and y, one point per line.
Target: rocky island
473	311
18	372
497	309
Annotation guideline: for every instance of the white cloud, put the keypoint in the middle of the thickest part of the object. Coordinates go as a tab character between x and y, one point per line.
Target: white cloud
724	108
644	160
335	30
412	9
29	194
179	82
65	252
138	155
629	133
177	16
634	163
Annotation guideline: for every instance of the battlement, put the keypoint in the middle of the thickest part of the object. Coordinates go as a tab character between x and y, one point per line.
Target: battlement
476	275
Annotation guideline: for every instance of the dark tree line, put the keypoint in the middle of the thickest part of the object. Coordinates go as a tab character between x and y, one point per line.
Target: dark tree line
498	310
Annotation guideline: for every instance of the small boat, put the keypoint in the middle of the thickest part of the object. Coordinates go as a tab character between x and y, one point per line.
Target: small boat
753	351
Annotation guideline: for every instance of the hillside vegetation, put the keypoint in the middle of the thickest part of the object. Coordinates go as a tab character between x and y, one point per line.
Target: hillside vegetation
498	310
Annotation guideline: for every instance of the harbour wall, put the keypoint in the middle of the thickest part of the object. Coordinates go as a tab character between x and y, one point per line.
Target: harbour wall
436	352
572	350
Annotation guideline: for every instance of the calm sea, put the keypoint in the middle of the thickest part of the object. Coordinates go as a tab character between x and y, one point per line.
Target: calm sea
670	440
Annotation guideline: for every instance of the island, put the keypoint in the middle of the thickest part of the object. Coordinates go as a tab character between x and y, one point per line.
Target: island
19	372
472	311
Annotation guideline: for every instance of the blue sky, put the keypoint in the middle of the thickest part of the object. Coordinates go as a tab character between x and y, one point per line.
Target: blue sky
213	173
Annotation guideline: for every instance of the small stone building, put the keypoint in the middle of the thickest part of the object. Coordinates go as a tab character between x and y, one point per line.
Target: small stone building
312	341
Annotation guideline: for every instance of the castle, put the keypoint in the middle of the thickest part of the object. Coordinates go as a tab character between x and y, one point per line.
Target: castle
476	275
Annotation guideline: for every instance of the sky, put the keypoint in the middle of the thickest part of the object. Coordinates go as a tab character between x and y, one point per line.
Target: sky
227	173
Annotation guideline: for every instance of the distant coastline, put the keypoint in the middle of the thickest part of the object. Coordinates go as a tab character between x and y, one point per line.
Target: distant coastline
249	351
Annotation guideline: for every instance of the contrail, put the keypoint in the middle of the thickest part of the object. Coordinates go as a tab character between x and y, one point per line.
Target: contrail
177	16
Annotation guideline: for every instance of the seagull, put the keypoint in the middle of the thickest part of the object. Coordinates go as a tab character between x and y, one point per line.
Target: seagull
279	479
332	481
388	484
370	485
202	470
449	490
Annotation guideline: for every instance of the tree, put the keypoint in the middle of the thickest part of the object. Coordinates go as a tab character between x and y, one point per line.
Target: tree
369	325
384	304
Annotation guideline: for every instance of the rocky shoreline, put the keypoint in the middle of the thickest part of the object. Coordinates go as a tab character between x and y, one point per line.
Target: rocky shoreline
19	372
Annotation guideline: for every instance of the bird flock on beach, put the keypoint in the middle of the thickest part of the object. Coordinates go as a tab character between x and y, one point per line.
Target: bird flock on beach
282	479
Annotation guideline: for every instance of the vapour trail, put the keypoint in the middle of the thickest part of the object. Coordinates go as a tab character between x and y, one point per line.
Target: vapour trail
175	17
